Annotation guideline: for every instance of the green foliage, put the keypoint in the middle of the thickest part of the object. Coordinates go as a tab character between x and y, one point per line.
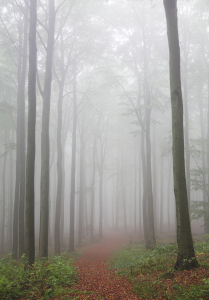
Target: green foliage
43	280
138	259
147	290
151	272
199	210
202	247
183	292
197	179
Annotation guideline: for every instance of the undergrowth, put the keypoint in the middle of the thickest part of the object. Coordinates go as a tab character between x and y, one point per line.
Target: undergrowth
153	276
44	280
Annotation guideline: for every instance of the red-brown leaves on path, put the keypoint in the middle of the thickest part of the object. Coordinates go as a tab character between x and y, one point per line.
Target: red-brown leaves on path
94	275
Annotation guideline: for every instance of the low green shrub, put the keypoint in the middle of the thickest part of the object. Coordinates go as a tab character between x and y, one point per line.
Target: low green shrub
138	259
45	279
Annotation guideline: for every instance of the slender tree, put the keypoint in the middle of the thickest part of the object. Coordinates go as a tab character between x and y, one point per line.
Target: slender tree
186	256
73	163
45	151
30	164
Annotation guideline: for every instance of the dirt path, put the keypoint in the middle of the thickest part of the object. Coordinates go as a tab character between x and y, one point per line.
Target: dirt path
94	274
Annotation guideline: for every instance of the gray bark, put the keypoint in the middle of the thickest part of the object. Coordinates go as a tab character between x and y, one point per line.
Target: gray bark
186	256
45	151
73	165
30	164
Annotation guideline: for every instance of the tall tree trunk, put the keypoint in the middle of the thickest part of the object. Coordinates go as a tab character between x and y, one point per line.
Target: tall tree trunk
207	158
73	165
123	191
204	192
82	186
101	202
30	165
21	105
144	202
186	255
59	169
92	188
3	204
147	103
117	206
140	200
18	151
11	195
168	200
135	187
45	151
161	194
154	179
186	130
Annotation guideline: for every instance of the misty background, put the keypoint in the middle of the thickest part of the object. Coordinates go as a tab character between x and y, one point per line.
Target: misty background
110	101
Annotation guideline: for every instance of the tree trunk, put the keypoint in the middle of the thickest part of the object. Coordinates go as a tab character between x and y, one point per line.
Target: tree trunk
204	192
82	186
161	194
101	201
144	202
45	151
21	105
59	169
186	255
11	196
92	189
73	165
3	211
30	165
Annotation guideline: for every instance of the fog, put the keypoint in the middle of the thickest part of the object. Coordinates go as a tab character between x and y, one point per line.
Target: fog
110	135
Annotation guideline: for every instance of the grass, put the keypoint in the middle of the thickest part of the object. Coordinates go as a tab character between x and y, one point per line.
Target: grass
153	276
46	279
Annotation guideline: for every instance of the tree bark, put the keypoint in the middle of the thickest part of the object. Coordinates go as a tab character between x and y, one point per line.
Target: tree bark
186	255
45	145
21	101
92	188
30	165
59	169
82	186
73	164
3	211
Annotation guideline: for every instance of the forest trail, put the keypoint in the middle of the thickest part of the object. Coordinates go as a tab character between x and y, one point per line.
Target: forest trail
94	275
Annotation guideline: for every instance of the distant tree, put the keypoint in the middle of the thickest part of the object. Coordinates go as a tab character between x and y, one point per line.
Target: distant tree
73	162
186	255
101	152
82	181
30	164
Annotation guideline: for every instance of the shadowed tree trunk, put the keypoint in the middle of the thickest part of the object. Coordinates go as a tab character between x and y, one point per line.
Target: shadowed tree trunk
19	206
22	141
45	151
186	255
30	165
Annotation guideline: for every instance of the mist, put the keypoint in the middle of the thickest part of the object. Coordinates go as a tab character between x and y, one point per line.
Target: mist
103	129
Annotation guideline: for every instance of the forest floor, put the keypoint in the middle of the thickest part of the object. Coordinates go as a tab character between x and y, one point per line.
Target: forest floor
116	267
96	280
139	274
